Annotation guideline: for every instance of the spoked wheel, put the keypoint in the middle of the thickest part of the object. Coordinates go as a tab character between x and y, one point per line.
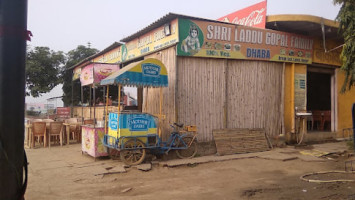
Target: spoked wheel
133	154
190	152
114	154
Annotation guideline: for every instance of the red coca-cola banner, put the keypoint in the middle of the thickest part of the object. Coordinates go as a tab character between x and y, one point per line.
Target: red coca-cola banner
254	16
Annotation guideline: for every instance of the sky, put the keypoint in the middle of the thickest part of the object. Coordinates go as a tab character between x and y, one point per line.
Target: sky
62	25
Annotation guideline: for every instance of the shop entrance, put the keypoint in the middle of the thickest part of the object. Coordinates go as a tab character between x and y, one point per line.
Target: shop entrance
320	98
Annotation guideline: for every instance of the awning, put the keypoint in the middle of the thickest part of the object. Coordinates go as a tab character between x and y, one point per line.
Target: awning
147	73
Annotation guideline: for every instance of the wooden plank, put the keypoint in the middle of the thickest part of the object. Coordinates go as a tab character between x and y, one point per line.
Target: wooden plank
232	141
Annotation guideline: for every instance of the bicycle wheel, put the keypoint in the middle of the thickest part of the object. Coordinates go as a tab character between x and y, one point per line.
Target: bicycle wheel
133	154
190	151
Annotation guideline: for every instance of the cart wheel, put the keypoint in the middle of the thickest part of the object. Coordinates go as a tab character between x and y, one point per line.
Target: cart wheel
190	152
134	153
114	154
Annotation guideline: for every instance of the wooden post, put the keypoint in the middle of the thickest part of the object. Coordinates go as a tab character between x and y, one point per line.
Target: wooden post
293	122
13	24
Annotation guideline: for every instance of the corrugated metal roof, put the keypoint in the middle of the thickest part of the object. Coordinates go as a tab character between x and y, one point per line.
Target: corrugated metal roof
86	60
160	22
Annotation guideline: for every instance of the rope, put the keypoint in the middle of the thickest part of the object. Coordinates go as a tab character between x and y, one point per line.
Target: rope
328	181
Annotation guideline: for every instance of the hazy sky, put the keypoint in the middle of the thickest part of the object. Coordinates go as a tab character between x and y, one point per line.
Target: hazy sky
62	25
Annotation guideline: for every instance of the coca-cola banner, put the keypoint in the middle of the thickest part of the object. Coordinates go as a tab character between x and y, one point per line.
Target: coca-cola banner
254	16
219	40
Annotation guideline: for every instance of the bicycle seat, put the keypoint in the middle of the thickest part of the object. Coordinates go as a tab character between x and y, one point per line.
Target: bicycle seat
178	125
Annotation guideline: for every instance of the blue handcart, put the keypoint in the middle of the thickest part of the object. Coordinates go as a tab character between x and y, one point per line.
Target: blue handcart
132	134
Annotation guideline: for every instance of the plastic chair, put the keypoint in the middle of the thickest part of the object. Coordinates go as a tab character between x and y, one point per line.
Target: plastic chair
56	129
39	130
318	119
326	123
74	129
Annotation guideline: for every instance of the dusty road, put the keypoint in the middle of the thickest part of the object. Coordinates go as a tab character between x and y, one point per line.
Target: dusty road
63	173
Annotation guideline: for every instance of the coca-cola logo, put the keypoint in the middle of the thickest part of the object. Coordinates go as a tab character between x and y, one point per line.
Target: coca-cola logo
254	18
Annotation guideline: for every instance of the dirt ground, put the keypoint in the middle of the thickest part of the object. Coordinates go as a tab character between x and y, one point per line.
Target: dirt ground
64	173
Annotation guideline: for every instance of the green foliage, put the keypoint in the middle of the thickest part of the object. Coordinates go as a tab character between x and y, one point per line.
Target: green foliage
74	57
43	67
346	18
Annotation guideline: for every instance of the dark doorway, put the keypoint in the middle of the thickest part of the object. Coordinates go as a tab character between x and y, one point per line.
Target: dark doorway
318	91
319	100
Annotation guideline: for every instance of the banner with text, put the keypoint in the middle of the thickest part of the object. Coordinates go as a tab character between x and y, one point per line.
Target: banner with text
154	40
112	56
254	16
218	40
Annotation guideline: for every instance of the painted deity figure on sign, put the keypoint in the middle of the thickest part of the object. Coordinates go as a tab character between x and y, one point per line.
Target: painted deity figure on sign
191	43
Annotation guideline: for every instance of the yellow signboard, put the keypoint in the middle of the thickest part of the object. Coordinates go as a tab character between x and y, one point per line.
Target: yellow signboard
220	40
154	40
113	56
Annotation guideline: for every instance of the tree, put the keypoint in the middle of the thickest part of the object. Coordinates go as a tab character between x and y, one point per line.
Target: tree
43	70
74	57
346	18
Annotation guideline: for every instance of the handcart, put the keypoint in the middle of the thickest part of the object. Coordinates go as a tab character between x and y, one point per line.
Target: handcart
132	134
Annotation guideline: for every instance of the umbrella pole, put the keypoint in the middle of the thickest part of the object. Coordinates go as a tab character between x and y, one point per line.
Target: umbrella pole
146	101
105	114
160	111
82	106
119	107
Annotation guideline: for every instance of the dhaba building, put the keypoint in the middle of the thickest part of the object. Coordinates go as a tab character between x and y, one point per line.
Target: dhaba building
228	76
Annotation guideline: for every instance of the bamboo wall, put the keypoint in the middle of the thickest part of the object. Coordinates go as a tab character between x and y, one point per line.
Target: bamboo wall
201	94
219	93
254	95
152	98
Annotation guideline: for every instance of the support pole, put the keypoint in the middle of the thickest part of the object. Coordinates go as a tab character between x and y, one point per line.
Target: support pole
13	26
353	116
93	87
90	101
72	98
82	102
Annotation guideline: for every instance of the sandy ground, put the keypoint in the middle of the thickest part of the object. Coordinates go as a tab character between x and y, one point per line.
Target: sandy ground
64	173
